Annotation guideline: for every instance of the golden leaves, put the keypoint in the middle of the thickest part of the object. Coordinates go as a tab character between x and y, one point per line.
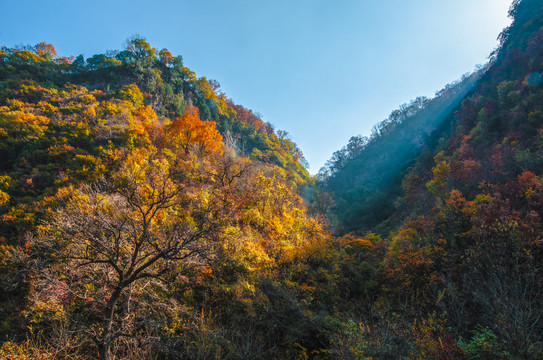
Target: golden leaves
22	124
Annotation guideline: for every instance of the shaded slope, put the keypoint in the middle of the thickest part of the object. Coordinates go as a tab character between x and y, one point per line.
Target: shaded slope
365	176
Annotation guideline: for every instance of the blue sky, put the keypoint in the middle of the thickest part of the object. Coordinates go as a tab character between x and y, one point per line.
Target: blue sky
322	70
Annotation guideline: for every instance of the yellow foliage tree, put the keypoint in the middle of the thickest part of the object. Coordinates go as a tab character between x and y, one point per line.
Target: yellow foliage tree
117	240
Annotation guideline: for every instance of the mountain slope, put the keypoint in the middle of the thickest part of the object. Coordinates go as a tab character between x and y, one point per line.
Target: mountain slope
167	86
365	176
145	215
463	256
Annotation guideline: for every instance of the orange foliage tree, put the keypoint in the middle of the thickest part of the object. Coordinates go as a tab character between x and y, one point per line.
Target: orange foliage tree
188	132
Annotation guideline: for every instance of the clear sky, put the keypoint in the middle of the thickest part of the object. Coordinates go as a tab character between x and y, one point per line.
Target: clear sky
323	70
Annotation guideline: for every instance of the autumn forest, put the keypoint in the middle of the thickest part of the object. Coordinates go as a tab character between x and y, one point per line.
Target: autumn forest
145	215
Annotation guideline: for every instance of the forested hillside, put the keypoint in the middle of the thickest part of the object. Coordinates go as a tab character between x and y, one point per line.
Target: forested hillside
365	175
145	215
454	188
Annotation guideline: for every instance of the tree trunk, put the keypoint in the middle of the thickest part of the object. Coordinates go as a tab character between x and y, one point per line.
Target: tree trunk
107	334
